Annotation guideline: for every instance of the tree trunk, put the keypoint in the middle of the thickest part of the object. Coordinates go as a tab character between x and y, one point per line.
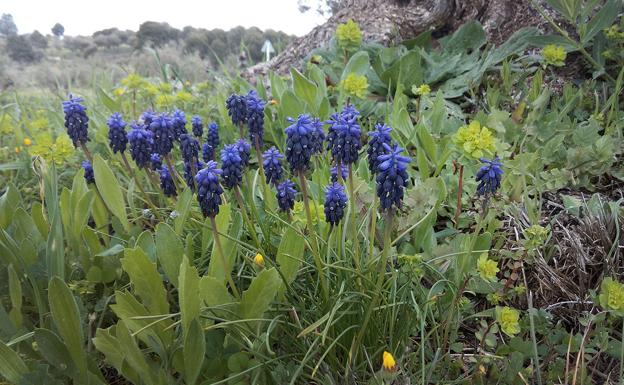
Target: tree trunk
392	21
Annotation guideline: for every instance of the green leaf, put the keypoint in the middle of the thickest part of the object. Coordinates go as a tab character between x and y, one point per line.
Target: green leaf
109	187
15	293
115	354
515	44
182	208
9	201
305	89
603	19
469	37
568	8
290	254
215	268
194	352
261	292
54	351
12	367
169	251
188	295
107	101
214	292
67	320
406	72
147	282
358	64
544	40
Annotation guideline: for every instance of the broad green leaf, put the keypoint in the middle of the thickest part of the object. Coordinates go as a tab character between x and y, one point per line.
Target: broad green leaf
544	40
134	357
194	352
110	190
257	298
67	320
115	354
107	101
188	294
358	64
603	19
55	245
216	268
54	351
304	88
515	44
15	293
169	251
9	201
146	243
147	282
405	72
136	315
469	37
182	208
568	8
214	292
12	367
290	254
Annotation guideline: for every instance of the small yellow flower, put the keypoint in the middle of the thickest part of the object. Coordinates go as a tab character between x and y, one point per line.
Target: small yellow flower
118	91
475	141
273	102
535	235
164	100
554	55
612	295
184	97
316	210
259	260
421	90
355	85
27	142
508	319
388	361
18	150
133	81
57	151
487	268
349	34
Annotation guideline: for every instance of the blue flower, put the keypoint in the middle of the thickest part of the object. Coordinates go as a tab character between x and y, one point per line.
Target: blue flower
213	135
232	166
117	133
189	147
237	108
208	189
141	145
344	172
286	195
189	177
88	171
207	152
179	123
345	136
155	161
148	117
166	182
76	120
319	136
271	160
198	126
299	141
379	136
335	203
255	118
489	176
164	134
244	149
391	176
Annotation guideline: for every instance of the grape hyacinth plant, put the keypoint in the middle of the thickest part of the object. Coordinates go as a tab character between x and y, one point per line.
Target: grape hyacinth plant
232	166
190	171
117	137
237	110
189	147
166	182
88	172
344	172
164	134
244	149
178	119
208	152
271	160
76	121
197	126
378	137
335	203
299	139
141	145
286	195
392	177
255	119
156	161
209	189
489	176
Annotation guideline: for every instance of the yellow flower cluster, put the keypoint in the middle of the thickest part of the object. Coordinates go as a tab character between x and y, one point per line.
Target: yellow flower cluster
316	211
355	85
613	32
57	151
487	268
421	90
554	55
6	124
184	97
508	319
612	296
535	235
475	141
133	82
349	34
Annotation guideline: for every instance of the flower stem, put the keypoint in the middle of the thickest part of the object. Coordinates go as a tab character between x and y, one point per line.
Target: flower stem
459	195
250	226
373	225
226	270
381	275
314	243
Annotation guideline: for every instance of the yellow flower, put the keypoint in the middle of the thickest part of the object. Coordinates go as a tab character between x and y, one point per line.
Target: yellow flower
612	295
273	102
487	268
151	89
164	100
316	211
508	319
259	260
554	55
388	361
27	142
355	85
57	151
475	141
133	81
421	90
18	150
349	34
184	97
165	88
5	124
535	235
118	91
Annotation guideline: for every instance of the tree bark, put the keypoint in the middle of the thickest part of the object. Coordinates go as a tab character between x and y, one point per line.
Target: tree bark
392	21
